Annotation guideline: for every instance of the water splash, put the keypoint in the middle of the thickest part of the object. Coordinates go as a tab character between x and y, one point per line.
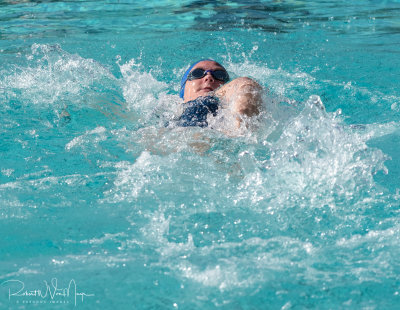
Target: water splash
287	198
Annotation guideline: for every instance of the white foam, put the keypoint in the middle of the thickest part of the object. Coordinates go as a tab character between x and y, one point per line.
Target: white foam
96	135
52	76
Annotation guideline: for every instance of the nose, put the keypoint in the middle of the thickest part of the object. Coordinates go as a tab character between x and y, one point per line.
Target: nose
208	76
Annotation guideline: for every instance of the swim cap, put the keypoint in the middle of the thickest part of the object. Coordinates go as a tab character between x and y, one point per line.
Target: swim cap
184	77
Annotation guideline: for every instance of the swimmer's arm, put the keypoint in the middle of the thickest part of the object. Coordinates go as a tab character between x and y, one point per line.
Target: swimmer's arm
244	94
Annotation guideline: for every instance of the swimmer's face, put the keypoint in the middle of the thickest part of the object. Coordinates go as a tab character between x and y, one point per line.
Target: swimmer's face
205	85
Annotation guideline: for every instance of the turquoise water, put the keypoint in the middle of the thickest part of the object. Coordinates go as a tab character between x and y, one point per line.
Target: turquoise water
298	211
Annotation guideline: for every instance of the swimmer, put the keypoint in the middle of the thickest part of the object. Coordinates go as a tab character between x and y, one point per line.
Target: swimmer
206	83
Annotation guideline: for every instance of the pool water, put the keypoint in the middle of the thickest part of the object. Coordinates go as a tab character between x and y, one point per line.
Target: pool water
104	207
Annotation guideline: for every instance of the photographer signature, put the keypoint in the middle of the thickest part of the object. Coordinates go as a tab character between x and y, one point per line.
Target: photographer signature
51	290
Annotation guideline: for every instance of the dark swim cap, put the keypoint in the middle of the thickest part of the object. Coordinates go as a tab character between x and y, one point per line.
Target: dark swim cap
184	77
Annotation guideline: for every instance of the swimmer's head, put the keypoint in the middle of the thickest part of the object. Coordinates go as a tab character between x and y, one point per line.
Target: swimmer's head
202	77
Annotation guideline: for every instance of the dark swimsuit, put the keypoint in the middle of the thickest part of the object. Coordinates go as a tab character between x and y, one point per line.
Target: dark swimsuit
195	112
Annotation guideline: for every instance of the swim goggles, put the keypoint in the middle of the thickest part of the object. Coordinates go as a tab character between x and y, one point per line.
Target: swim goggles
220	75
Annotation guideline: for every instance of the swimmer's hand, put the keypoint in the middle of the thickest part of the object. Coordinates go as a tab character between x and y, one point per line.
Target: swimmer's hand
244	97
